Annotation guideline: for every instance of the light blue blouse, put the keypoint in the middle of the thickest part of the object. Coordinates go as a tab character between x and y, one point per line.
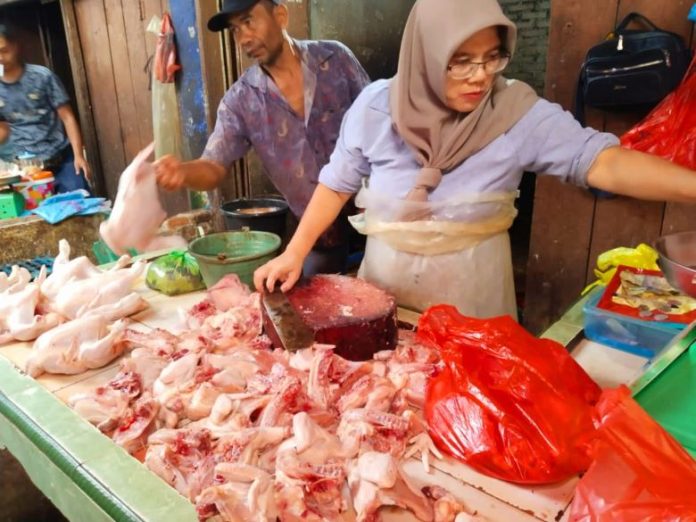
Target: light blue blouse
547	140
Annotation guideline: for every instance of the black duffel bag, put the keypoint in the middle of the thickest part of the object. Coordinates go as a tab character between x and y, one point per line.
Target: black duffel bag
631	68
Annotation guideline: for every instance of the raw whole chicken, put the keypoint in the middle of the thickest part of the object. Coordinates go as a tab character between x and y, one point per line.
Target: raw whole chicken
18	318
82	295
137	212
66	270
74	347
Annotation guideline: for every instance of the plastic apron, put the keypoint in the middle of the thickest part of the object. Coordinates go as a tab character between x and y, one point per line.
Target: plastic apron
455	251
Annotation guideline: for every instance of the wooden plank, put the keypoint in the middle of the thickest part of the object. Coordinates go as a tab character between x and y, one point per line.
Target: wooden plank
679	217
136	17
298	26
562	218
215	81
624	221
91	23
82	95
212	61
125	100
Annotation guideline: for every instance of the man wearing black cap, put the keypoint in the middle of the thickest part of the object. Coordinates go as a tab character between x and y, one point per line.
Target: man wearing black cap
288	107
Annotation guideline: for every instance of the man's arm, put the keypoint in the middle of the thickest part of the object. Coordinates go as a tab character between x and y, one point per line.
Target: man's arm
226	144
201	174
4	131
72	128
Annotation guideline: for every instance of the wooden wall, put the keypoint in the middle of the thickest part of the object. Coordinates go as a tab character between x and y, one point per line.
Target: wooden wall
571	227
115	48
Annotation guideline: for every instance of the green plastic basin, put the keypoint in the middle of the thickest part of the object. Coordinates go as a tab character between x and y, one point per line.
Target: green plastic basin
238	252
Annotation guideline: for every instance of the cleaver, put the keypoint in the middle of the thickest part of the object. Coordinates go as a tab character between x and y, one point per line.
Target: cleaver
283	324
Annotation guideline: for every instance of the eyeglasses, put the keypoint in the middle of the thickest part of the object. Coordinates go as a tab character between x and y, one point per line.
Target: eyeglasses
466	69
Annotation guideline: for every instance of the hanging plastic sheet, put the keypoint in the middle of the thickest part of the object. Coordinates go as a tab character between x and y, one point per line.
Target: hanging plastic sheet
165	109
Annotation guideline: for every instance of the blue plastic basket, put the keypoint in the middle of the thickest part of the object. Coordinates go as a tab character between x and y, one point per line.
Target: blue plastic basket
33	265
643	338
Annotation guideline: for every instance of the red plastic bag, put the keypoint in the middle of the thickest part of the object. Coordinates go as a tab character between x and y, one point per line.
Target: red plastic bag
639	472
669	131
507	404
165	53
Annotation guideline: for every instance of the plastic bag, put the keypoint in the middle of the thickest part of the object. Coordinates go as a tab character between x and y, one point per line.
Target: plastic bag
76	203
175	273
434	227
639	472
669	131
643	256
507	404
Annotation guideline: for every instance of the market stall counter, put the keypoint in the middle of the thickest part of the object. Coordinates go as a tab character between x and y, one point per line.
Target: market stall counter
88	477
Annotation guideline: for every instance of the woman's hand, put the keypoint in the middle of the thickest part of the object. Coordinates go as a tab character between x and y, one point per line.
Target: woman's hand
285	268
170	175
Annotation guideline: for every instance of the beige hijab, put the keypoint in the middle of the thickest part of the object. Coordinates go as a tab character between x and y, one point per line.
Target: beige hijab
441	137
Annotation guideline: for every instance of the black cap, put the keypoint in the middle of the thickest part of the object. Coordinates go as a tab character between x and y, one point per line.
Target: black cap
218	22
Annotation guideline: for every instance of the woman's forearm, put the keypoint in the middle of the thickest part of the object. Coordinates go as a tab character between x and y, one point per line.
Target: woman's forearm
642	176
323	209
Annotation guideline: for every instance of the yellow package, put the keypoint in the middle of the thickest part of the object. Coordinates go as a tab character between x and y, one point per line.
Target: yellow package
643	256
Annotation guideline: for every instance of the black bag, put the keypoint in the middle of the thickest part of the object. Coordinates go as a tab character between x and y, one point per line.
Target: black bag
631	68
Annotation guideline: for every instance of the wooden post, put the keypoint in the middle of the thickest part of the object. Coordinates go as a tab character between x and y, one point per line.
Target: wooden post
569	227
84	105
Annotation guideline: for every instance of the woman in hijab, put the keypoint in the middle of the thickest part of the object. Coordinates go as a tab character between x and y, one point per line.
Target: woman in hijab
437	154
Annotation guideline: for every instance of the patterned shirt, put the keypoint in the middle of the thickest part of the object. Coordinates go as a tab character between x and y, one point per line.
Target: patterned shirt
253	113
29	106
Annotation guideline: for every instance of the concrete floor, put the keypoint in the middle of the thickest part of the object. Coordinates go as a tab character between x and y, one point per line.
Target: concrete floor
20	501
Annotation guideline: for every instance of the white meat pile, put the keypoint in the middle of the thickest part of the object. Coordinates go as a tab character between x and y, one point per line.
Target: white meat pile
248	433
75	315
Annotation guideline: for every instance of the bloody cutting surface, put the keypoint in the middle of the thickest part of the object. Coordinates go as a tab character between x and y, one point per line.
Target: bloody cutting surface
355	316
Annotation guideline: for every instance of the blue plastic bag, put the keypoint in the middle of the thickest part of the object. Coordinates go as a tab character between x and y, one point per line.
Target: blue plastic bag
76	203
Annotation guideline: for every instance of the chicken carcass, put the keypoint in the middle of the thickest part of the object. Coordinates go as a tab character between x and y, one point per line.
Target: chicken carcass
80	296
137	212
18	318
77	346
133	429
19	278
66	269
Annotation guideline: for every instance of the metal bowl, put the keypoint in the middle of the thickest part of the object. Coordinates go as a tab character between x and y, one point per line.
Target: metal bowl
678	260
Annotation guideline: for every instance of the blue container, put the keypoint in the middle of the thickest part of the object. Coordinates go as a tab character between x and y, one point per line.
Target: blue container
33	265
636	336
